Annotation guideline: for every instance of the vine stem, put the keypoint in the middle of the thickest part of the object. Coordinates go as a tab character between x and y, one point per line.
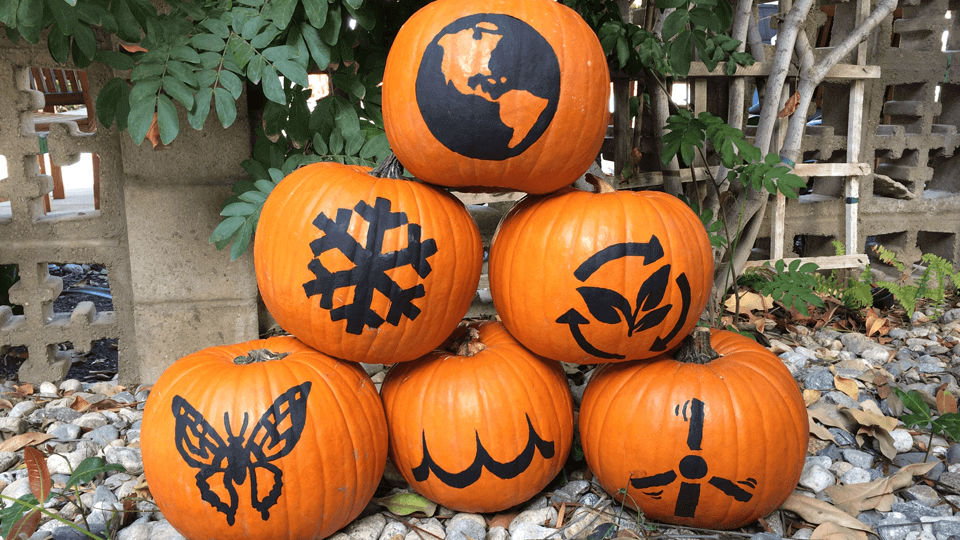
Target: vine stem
467	343
389	167
257	356
696	348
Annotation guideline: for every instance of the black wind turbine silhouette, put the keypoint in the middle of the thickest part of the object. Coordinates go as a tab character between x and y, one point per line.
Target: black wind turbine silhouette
692	467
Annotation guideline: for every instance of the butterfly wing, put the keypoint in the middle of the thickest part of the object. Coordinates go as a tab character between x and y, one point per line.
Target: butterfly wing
201	447
274	436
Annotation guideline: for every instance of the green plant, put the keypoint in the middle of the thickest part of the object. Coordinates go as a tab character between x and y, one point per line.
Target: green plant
24	514
947	423
793	284
853	290
932	285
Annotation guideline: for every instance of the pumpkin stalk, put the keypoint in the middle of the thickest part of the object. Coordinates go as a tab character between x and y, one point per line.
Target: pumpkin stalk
599	184
468	343
695	348
389	167
256	356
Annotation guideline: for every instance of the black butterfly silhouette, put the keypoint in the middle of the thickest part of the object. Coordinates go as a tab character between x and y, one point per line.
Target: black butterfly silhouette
273	437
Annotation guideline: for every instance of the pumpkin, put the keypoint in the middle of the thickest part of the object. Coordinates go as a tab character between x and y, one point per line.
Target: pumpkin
600	277
367	269
267	439
481	429
506	94
715	445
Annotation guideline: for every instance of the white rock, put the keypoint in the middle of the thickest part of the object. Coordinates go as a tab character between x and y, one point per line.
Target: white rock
71	385
431	526
11	426
816	478
91	420
534	517
48	389
855	475
498	533
393	528
138	530
902	440
163	530
129	458
15	490
65	463
529	531
22	409
368	528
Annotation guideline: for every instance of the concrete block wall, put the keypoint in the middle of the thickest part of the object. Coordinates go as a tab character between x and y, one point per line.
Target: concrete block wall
911	202
173	292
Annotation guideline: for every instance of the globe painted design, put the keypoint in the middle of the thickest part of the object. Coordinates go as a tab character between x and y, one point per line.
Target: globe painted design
488	86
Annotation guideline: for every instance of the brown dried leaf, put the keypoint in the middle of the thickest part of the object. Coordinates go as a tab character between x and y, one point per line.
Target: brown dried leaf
847	386
790	106
80	405
870	418
25	389
40	482
153	134
832	531
883	386
5	404
946	403
810	397
26	525
23	440
819	431
816	511
749	302
878	495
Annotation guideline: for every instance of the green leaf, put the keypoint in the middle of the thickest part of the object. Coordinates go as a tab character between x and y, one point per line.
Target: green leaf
226	106
330	32
116	60
319	50
59	46
265	37
239	209
201	109
681	53
272	89
242	239
266	186
316	11
293	71
667	4
336	142
139	120
319	145
218	27
226	229
167	119
252	27
378	147
90	468
675	23
111	98
179	91
232	83
705	17
84	39
64	15
281	11
255	197
208	42
404	504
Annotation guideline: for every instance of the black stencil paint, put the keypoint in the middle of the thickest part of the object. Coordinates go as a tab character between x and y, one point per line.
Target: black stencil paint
483	460
693	467
274	436
369	273
610	307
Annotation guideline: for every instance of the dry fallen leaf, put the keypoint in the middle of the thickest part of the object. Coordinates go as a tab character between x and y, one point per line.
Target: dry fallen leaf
749	302
946	403
832	531
18	442
819	431
874	424
790	106
153	134
883	386
810	397
847	386
876	495
816	511
875	323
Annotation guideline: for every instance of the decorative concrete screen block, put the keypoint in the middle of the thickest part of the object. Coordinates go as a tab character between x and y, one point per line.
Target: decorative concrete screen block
172	292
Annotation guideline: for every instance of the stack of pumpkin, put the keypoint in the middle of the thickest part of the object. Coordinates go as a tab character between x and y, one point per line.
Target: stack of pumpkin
365	267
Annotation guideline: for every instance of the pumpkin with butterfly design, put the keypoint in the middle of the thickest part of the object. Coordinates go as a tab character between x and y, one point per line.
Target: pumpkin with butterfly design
267	439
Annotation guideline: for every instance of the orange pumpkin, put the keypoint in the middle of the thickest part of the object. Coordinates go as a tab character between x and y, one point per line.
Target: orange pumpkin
267	439
715	445
600	277
376	270
482	429
508	94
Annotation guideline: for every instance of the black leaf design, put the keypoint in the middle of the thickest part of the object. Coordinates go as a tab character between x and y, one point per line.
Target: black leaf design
604	304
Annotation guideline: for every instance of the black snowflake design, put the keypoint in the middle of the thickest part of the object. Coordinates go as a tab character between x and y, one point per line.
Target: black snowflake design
369	273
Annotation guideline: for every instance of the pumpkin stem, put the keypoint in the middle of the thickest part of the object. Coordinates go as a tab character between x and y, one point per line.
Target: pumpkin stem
468	343
599	184
258	355
696	348
389	167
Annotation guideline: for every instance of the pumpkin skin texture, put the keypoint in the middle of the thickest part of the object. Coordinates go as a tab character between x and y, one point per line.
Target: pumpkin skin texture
497	426
366	269
496	95
208	428
592	278
723	443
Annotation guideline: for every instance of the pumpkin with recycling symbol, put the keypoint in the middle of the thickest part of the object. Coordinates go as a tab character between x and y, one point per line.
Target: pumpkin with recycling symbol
363	268
717	444
597	277
267	439
482	428
494	95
